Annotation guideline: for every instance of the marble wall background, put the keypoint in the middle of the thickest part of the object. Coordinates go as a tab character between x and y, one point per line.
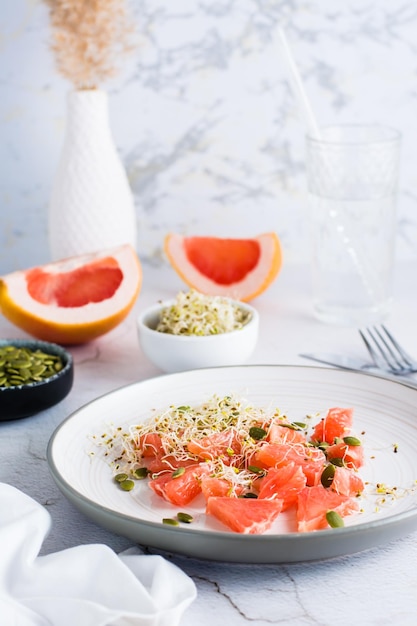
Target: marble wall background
204	117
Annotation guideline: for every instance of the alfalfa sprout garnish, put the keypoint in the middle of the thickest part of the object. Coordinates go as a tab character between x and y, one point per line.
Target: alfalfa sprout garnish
194	313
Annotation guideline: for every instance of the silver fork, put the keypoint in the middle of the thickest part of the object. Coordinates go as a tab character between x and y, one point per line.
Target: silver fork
386	352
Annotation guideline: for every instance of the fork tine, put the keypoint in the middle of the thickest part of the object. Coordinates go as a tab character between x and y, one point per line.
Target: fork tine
386	352
407	359
389	346
376	351
373	354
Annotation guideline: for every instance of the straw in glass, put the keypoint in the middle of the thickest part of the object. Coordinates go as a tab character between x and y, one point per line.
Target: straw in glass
371	285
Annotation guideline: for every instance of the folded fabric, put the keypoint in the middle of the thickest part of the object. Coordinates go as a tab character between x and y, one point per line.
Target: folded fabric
89	585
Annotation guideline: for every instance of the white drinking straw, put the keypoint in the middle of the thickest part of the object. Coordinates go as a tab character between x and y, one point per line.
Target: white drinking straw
314	130
299	91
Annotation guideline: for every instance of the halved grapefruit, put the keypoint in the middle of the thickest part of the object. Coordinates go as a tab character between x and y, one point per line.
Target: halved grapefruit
74	300
237	268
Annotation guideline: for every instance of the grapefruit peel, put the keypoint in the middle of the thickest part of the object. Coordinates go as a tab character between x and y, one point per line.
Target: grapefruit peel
241	269
74	300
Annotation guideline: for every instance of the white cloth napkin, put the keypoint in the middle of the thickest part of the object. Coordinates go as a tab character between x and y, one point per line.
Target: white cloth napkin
89	585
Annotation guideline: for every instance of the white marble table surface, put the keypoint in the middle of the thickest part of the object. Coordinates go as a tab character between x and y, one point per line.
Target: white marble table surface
374	587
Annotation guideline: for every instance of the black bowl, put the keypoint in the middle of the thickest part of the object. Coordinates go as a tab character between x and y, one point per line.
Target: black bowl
30	398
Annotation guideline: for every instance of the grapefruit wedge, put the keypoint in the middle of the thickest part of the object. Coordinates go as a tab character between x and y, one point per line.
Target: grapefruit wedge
74	300
237	268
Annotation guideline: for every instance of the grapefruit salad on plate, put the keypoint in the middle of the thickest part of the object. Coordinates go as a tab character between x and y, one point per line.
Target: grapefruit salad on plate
229	448
241	465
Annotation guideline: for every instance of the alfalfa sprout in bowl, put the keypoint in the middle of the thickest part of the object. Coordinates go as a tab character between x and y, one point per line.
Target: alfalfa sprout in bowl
196	330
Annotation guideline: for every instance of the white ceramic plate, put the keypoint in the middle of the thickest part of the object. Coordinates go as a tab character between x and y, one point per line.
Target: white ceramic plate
385	418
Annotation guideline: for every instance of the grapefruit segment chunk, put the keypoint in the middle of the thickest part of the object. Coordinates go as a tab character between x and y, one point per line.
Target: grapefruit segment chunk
315	502
351	456
212	486
311	460
244	515
237	268
347	482
221	444
284	483
337	423
181	489
74	300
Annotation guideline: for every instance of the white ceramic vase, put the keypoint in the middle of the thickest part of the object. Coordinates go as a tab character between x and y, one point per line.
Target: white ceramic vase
91	206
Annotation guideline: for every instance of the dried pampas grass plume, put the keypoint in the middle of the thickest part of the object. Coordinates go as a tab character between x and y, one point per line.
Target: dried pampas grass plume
88	37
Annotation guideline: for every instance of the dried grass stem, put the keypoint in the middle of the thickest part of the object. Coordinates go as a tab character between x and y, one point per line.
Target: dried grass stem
88	38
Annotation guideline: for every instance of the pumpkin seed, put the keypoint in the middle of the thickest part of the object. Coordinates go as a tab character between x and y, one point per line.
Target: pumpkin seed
352	441
294	425
327	475
170	522
184	517
257	433
38	370
140	473
127	485
334	519
19	365
119	478
339	462
16	380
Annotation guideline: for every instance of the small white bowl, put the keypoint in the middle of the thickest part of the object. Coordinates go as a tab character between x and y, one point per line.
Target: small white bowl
177	353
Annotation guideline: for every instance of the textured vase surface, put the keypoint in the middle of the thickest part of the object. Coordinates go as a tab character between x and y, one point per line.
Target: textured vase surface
91	206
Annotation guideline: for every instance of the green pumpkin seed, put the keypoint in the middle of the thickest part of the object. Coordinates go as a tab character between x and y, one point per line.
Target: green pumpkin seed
140	473
257	433
334	519
294	425
327	475
184	517
16	380
119	478
20	365
38	370
170	522
127	485
352	441
339	462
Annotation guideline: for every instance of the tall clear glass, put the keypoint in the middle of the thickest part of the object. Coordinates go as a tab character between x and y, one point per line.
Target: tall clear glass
352	174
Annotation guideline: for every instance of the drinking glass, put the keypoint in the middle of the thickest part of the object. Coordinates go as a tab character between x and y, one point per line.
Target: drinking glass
352	173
